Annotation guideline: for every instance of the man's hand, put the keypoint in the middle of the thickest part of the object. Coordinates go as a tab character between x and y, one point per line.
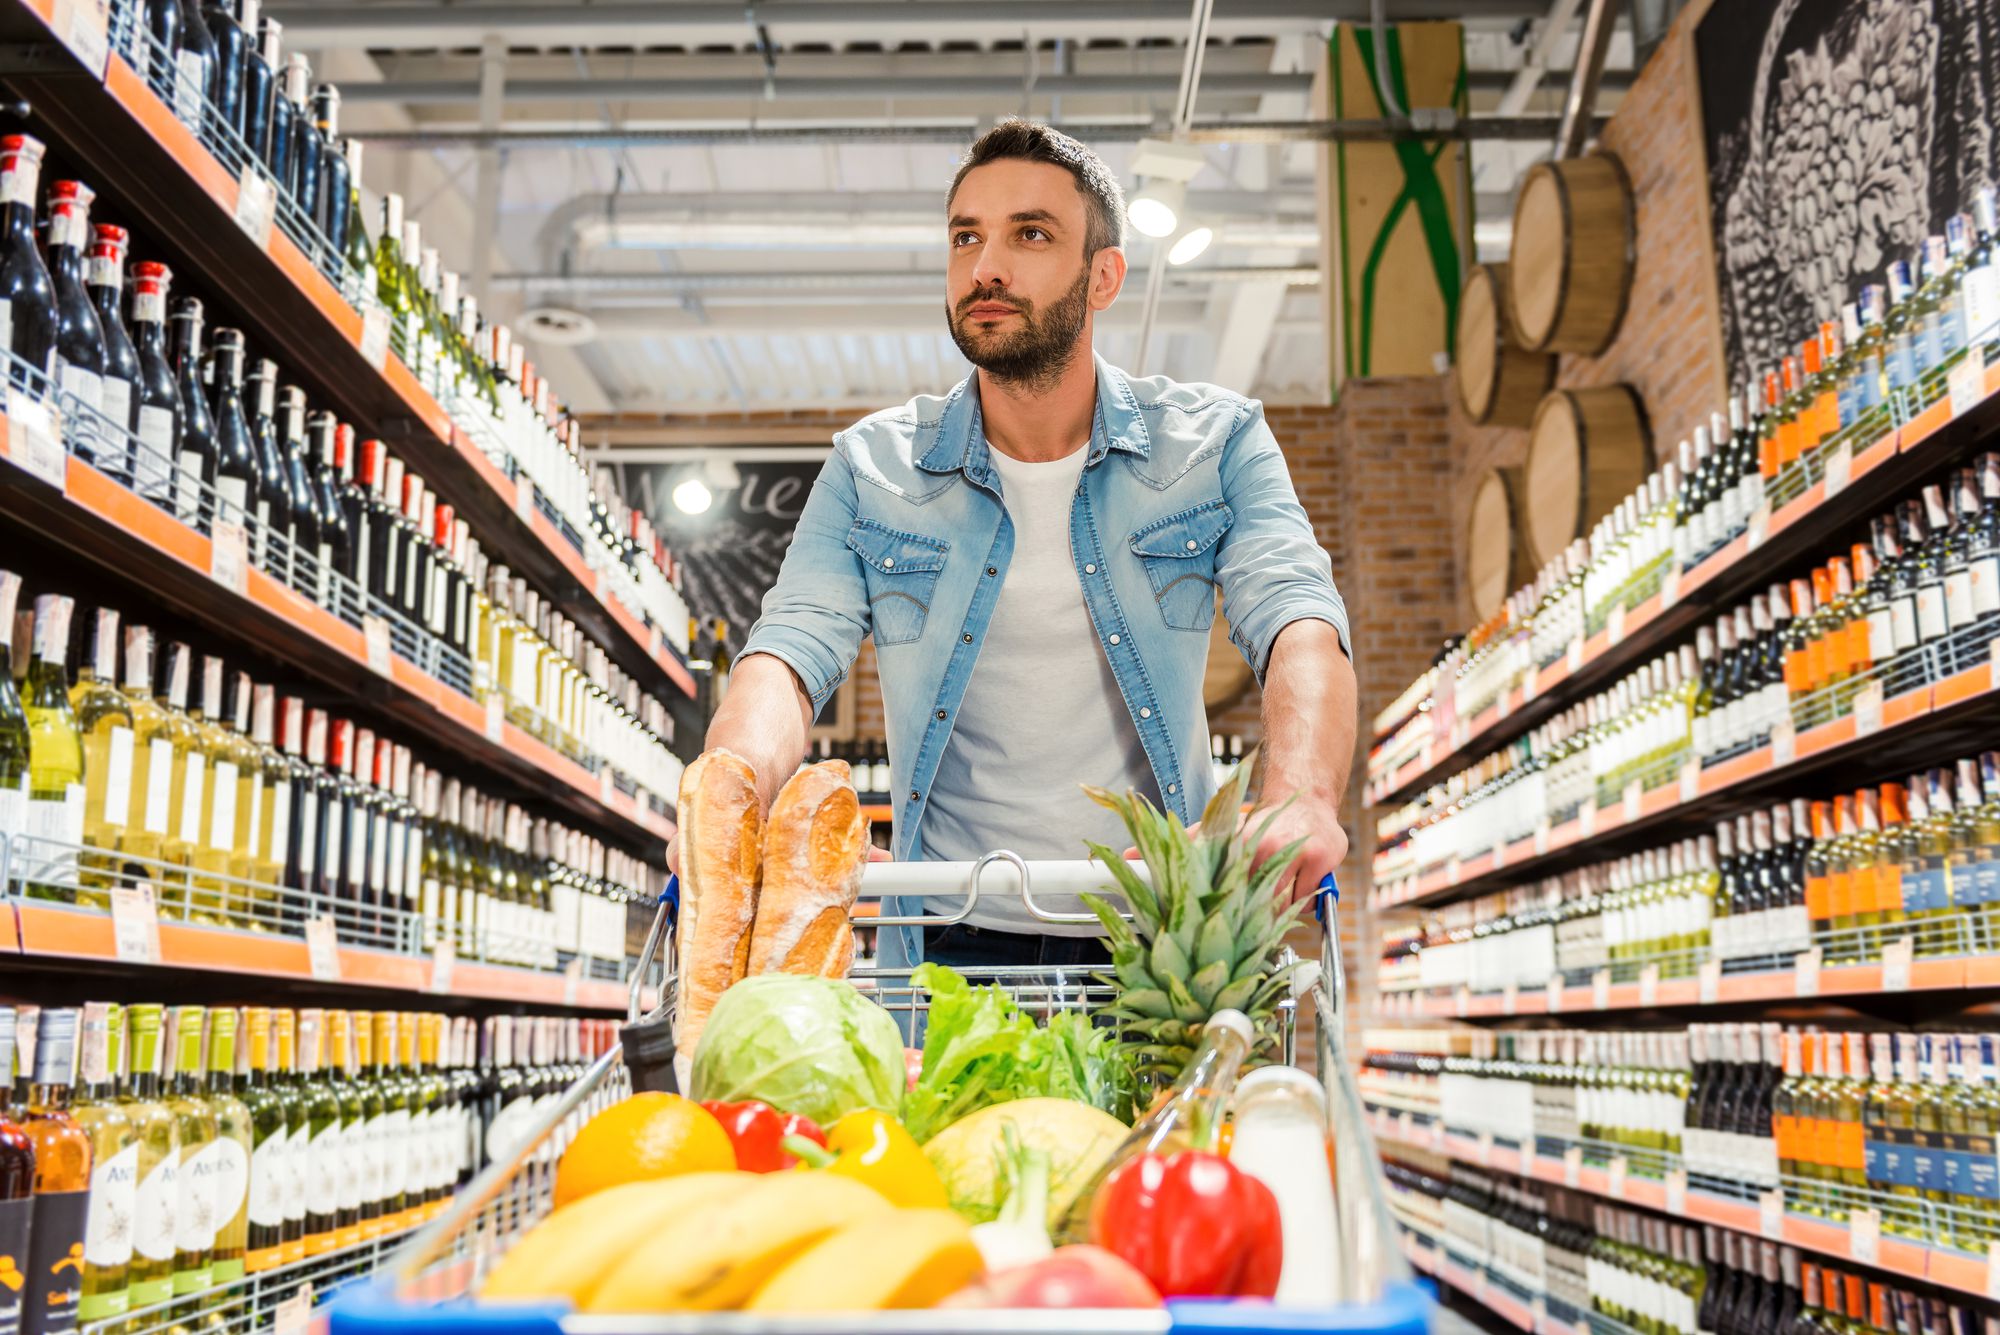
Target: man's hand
1311	819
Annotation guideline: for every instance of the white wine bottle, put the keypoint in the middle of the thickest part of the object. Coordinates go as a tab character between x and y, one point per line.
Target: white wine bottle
55	758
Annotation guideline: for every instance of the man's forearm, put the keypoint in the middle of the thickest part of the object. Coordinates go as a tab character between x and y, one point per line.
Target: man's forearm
1309	723
766	718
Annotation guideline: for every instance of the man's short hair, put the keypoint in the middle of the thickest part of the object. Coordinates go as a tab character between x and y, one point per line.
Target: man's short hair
1103	197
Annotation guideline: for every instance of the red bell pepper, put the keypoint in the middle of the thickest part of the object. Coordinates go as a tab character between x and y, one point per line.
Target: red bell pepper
758	1131
1193	1224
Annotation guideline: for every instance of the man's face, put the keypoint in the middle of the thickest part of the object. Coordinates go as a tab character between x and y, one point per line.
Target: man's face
1019	293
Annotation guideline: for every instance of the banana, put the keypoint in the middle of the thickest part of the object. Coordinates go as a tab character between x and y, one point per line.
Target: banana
566	1254
914	1258
712	1259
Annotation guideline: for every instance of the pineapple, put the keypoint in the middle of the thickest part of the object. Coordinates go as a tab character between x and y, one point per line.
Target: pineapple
1205	935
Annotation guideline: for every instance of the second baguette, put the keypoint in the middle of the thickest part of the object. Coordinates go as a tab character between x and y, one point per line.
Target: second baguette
722	833
815	845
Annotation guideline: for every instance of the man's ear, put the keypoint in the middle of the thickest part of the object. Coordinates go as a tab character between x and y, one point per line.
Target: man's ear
1107	276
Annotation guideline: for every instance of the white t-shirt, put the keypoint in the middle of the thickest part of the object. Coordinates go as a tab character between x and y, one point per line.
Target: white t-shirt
1042	713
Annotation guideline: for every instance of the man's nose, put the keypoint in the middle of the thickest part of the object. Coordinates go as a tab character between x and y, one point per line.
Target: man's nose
990	269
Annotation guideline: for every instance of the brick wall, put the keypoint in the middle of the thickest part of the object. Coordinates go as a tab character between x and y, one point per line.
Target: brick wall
1669	347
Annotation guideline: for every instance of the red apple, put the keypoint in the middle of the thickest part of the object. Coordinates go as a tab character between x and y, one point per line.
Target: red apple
1079	1276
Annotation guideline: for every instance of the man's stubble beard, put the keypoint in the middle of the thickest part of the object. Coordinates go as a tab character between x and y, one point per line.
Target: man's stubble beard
1033	358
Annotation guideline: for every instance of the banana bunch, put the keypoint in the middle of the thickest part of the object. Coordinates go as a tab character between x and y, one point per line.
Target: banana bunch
770	1242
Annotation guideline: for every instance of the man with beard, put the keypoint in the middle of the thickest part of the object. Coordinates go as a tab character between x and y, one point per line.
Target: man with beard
1037	555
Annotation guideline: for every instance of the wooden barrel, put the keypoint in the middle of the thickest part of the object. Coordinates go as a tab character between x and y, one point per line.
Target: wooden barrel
1587	450
1496	556
1570	265
1499	381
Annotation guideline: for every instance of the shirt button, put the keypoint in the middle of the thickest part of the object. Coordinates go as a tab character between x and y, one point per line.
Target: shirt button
992	570
940	713
1114	639
968	639
1145	713
1192	544
1170	789
1090	570
888	561
913	794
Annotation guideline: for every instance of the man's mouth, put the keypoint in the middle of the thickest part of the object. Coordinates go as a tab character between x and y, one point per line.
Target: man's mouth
988	310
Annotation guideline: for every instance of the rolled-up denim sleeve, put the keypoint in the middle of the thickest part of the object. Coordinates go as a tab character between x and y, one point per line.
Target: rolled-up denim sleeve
814	617
1271	568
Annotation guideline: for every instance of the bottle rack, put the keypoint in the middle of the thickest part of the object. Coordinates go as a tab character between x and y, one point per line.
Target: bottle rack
268	263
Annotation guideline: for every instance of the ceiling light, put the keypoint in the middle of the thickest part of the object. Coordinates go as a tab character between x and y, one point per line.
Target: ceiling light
1156	209
559	326
1191	244
693	497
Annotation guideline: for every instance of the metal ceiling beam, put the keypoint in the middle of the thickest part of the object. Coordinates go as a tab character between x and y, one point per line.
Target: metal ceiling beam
925	281
981	88
313	24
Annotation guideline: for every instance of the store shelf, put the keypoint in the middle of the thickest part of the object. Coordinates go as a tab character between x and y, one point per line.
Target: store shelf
106	523
46	931
1801	527
1497	1294
149	167
1947	1269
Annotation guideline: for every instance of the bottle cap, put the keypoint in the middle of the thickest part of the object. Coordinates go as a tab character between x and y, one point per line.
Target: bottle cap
1235	1021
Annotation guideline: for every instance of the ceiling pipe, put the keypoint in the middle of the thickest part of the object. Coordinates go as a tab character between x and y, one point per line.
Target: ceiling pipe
1581	101
982	88
920	280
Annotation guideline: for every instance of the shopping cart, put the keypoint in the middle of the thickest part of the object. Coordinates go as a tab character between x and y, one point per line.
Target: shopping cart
420	1290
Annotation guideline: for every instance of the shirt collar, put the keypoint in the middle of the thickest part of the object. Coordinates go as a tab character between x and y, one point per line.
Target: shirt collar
957	441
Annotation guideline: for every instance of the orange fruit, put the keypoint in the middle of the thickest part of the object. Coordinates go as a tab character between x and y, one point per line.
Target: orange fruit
648	1135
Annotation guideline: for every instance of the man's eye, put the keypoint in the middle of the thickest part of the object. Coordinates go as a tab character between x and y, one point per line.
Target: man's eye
960	238
1034	234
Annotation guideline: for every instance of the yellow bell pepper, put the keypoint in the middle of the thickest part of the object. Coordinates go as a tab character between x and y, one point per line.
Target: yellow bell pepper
872	1148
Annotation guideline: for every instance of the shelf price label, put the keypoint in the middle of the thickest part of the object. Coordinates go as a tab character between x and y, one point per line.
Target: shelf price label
1555	994
256	206
1690	781
1586	817
323	949
1710	976
1868	710
1649	985
84	26
1839	468
1510	999
444	959
1993	1271
524	500
1760	527
1464	1001
572	980
229	555
1771	1213
294	1315
1670	585
496	715
375	642
1805	973
375	337
1784	743
1483	1148
1864	1234
1635	801
1898	957
1542	829
1677	1191
1614	625
1967	383
135	924
1573	1166
34	438
1615	1177
1575	656
1600	989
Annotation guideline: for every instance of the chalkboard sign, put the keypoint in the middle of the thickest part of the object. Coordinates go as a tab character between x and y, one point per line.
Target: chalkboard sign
1840	134
731	551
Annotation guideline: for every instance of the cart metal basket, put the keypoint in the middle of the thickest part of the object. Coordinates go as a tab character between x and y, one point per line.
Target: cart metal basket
419	1291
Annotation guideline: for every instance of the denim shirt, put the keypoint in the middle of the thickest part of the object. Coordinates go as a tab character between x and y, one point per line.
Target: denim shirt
906	537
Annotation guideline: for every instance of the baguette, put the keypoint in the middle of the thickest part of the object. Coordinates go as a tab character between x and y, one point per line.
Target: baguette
815	845
721	829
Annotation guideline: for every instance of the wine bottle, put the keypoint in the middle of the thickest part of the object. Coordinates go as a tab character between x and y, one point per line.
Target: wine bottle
231	1149
329	448
194	1215
158	1169
232	44
55	758
310	569
79	333
25	282
194	67
334	198
155	39
308	150
119	388
278	151
156	412
260	81
53	1288
325	1135
360	279
104	720
196	457
114	1171
270	494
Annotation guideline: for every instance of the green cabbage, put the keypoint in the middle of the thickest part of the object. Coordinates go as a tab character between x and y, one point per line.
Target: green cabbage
807	1045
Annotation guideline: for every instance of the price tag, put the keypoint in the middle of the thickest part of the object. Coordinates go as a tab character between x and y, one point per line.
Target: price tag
1868	710
85	28
1839	468
375	639
1710	976
1483	1148
1437	1134
1670	585
1586	818
1784	743
603	591
1677	1191
1771	1213
1864	1234
1967	383
1555	994
1805	973
135	924
1897	958
1528	680
1572	1165
34	438
605	788
1542	829
1615	1177
375	336
323	948
1576	653
228	555
524	500
444	957
1760	527
1464	1001
1538	1315
572	980
1635	801
496	715
256	206
1499	854
1510	999
1649	985
1993	665
1600	989
1993	1271
1690	781
294	1314
1614	624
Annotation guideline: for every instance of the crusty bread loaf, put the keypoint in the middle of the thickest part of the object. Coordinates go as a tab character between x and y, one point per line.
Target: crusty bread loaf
722	833
815	845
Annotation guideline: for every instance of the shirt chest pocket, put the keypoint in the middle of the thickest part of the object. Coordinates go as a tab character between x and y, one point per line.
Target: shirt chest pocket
1179	555
902	574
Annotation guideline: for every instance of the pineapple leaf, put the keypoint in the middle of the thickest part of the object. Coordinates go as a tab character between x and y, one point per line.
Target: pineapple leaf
1271	869
1220	813
1215	943
1145	908
1169	959
1185	1006
1145	1003
1237	994
1207	982
1115	927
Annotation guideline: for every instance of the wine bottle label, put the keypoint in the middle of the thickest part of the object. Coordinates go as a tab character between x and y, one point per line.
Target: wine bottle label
1931	619
396	1153
114	1203
230	1170
13	810
81	383
1881	635
298	1150
149	304
281	823
1983	574
1980	295
118	778
331	842
357	847
222	807
253	836
153	1218
53	1288
187	491
58	823
378	853
1903	619
51	642
69	225
348	1164
322	1186
1959	609
192	794
116	396
190	85
195	1220
413	865
374	1160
